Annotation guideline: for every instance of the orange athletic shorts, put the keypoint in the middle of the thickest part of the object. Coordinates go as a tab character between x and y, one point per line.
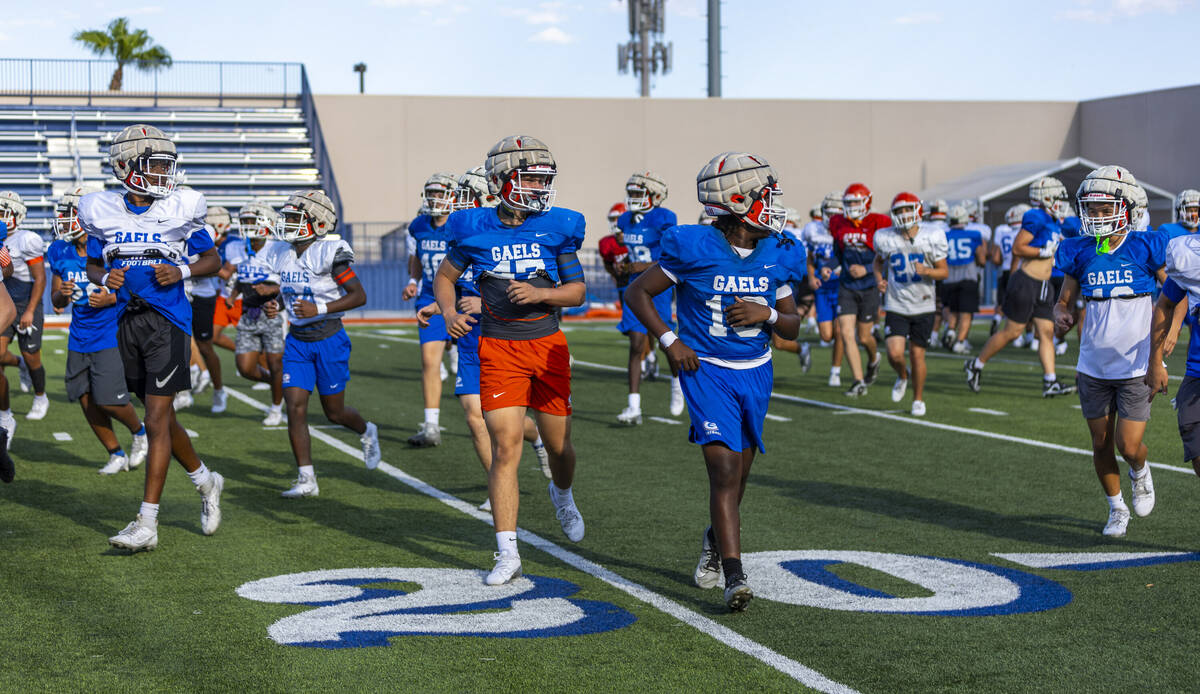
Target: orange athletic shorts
227	316
526	373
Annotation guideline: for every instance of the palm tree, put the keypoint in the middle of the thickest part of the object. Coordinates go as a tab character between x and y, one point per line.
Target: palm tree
125	47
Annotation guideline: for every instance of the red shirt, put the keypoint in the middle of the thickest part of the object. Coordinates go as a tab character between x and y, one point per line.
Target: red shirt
614	253
854	244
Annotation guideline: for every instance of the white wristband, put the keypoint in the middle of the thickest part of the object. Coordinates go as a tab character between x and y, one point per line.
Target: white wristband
774	317
185	271
104	280
412	281
667	339
322	308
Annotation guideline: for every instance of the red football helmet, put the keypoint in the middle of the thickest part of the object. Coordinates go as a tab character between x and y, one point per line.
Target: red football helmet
614	213
906	211
856	201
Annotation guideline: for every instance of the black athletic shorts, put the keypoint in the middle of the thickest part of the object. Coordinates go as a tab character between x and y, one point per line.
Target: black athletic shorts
203	310
1001	287
917	329
155	352
30	342
1027	298
863	303
962	297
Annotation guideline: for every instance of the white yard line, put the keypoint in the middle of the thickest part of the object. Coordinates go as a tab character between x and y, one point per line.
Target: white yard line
984	410
777	418
805	675
664	420
1019	362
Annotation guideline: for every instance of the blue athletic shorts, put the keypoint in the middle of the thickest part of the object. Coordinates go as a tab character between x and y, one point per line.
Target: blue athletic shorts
826	301
728	405
662	303
466	382
435	332
324	364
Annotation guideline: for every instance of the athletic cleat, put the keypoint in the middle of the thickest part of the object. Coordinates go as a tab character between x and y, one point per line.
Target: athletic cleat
116	463
442	373
835	380
370	446
677	402
261	386
1033	345
210	510
708	569
962	347
1019	342
568	516
1143	492
8	471
137	452
738	594
273	419
305	485
139	536
428	435
973	373
183	400
486	505
1118	521
203	381
650	366
9	424
630	415
452	354
219	401
1052	388
856	389
918	408
508	567
873	369
26	379
948	340
805	357
899	389
1060	348
41	404
995	327
543	458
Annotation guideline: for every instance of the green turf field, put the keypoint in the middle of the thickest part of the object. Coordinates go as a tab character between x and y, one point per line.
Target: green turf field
861	503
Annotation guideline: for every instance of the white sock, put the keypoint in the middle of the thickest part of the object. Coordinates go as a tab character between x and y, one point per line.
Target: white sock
1139	474
195	371
149	512
5	414
307	471
978	364
1050	378
835	371
538	443
219	390
562	497
277	407
675	383
200	476
431	415
1115	502
635	401
506	542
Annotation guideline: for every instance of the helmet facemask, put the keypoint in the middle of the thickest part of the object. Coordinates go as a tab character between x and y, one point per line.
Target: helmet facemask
66	223
153	174
529	189
437	201
1189	215
294	225
906	215
1102	215
637	198
256	226
765	210
855	206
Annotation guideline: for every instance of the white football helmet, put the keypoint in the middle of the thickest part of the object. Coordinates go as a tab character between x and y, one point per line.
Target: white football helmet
938	210
521	171
306	215
144	160
473	191
1014	215
1187	208
745	186
218	219
12	210
644	191
1046	193
1107	200
66	215
831	205
959	215
437	195
256	220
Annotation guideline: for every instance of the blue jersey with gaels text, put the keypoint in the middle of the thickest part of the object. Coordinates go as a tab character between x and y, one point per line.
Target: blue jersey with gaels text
643	232
429	245
709	276
92	329
1126	271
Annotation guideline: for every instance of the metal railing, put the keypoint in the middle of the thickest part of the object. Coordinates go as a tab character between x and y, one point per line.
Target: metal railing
316	139
33	77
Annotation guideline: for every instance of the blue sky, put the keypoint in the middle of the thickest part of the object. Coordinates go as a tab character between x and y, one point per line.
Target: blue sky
1023	49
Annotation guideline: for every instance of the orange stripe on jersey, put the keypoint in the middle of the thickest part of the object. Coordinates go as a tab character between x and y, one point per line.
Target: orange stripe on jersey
31	261
345	277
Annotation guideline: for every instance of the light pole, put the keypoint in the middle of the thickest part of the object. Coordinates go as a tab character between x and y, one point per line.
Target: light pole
645	23
361	69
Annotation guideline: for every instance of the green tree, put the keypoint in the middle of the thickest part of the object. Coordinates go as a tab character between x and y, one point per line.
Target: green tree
124	46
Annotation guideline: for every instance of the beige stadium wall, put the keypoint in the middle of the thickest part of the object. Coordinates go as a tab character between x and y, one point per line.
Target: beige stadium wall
383	147
1153	134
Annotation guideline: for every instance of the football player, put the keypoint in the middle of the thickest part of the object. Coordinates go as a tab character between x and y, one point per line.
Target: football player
8	313
234	251
25	286
968	255
939	211
853	234
138	246
733	286
1029	292
316	286
1186	214
1000	254
914	257
642	226
523	256
614	253
95	376
823	275
205	297
259	337
1115	269
427	239
803	290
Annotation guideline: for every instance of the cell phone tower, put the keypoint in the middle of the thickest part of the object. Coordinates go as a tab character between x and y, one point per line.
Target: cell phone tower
645	52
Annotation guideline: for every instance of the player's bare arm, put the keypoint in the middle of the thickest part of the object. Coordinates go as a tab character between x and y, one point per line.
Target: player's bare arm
61	291
457	324
166	274
1064	314
939	271
640	298
1160	327
414	278
880	279
568	294
37	271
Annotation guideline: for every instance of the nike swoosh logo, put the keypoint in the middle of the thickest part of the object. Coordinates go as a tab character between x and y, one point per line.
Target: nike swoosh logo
496	395
768	267
541	235
163	382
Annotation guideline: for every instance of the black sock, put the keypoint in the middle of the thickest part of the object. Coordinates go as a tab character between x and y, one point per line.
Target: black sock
38	376
732	569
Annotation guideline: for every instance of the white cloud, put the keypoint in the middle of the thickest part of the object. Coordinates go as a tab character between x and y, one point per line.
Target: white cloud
145	9
919	18
407	3
552	35
1088	11
690	9
545	13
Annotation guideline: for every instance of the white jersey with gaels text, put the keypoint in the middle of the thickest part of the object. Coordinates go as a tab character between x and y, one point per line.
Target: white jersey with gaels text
908	293
1004	237
24	246
309	276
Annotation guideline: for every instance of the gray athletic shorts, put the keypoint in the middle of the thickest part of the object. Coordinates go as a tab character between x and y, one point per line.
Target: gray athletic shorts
28	343
100	373
1098	397
1187	404
264	335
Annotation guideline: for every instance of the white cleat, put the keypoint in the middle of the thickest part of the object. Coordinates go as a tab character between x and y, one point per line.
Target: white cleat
219	401
41	404
137	452
26	379
650	367
899	388
1019	342
428	435
370	446
210	511
1033	344
140	535
305	485
708	569
486	505
568	516
183	400
9	424
452	353
962	347
273	419
442	373
508	567
116	463
1060	348
918	408
261	386
835	380
805	355
677	402
1118	520
1143	492
543	458
203	381
630	415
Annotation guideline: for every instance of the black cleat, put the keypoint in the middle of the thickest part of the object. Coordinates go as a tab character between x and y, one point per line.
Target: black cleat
1052	388
973	374
873	369
738	594
856	389
7	470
